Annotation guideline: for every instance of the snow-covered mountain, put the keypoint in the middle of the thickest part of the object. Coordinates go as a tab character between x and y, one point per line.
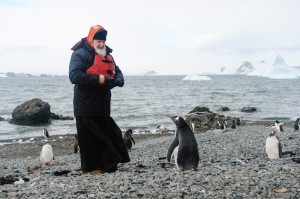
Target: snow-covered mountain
245	68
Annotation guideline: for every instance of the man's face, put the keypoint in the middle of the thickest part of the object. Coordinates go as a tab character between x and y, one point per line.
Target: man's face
100	44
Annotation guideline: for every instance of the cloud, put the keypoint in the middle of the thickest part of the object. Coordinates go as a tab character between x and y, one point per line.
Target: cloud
170	36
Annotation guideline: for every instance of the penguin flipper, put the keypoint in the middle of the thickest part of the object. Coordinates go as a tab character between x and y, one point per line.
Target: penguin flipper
133	140
280	150
173	145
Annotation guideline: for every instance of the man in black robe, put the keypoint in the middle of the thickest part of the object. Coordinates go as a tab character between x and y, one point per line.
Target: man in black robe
99	137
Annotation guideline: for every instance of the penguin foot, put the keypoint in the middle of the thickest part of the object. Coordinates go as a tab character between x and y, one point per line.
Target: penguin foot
45	164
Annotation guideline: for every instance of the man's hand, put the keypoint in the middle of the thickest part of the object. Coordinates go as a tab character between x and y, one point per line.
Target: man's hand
118	82
111	83
101	79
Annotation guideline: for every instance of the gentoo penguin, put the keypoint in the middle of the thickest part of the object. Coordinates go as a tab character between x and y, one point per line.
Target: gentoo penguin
162	129
46	155
46	133
238	121
222	123
296	124
273	146
184	147
233	124
128	139
278	126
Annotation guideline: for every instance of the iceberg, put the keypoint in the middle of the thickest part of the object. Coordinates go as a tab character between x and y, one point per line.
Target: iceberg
279	70
3	75
196	77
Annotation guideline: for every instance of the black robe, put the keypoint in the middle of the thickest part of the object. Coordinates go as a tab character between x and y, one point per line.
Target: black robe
101	143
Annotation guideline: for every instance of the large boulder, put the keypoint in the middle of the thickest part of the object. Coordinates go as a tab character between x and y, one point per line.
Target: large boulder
32	112
203	120
248	109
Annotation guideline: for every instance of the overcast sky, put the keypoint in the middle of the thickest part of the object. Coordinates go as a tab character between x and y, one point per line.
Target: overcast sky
167	36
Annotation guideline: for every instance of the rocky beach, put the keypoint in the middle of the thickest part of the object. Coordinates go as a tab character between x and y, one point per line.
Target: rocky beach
233	164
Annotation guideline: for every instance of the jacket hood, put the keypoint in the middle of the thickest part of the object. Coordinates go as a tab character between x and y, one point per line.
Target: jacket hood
93	30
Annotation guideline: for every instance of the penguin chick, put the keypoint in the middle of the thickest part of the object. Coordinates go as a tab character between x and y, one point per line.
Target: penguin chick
128	139
46	155
162	129
273	146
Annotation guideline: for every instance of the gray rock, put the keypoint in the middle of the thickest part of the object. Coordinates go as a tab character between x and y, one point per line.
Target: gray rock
248	109
224	109
32	112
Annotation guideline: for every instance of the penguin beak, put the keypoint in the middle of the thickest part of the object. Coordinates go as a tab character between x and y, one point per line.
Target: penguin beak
172	118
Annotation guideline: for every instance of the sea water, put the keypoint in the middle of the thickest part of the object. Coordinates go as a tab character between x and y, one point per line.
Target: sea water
145	101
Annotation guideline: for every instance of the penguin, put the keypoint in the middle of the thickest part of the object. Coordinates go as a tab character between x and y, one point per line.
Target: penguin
184	147
128	139
238	121
162	129
46	133
222	123
233	124
278	126
273	146
296	124
46	155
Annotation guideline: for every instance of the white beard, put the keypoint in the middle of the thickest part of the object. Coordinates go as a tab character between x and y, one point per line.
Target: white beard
100	51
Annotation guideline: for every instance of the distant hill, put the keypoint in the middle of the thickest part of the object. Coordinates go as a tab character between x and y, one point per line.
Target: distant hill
12	74
150	73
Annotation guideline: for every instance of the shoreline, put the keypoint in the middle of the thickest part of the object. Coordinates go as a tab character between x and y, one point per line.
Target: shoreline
139	132
233	164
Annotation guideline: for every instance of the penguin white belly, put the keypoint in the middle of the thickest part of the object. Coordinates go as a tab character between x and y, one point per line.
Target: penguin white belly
272	148
46	155
175	155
